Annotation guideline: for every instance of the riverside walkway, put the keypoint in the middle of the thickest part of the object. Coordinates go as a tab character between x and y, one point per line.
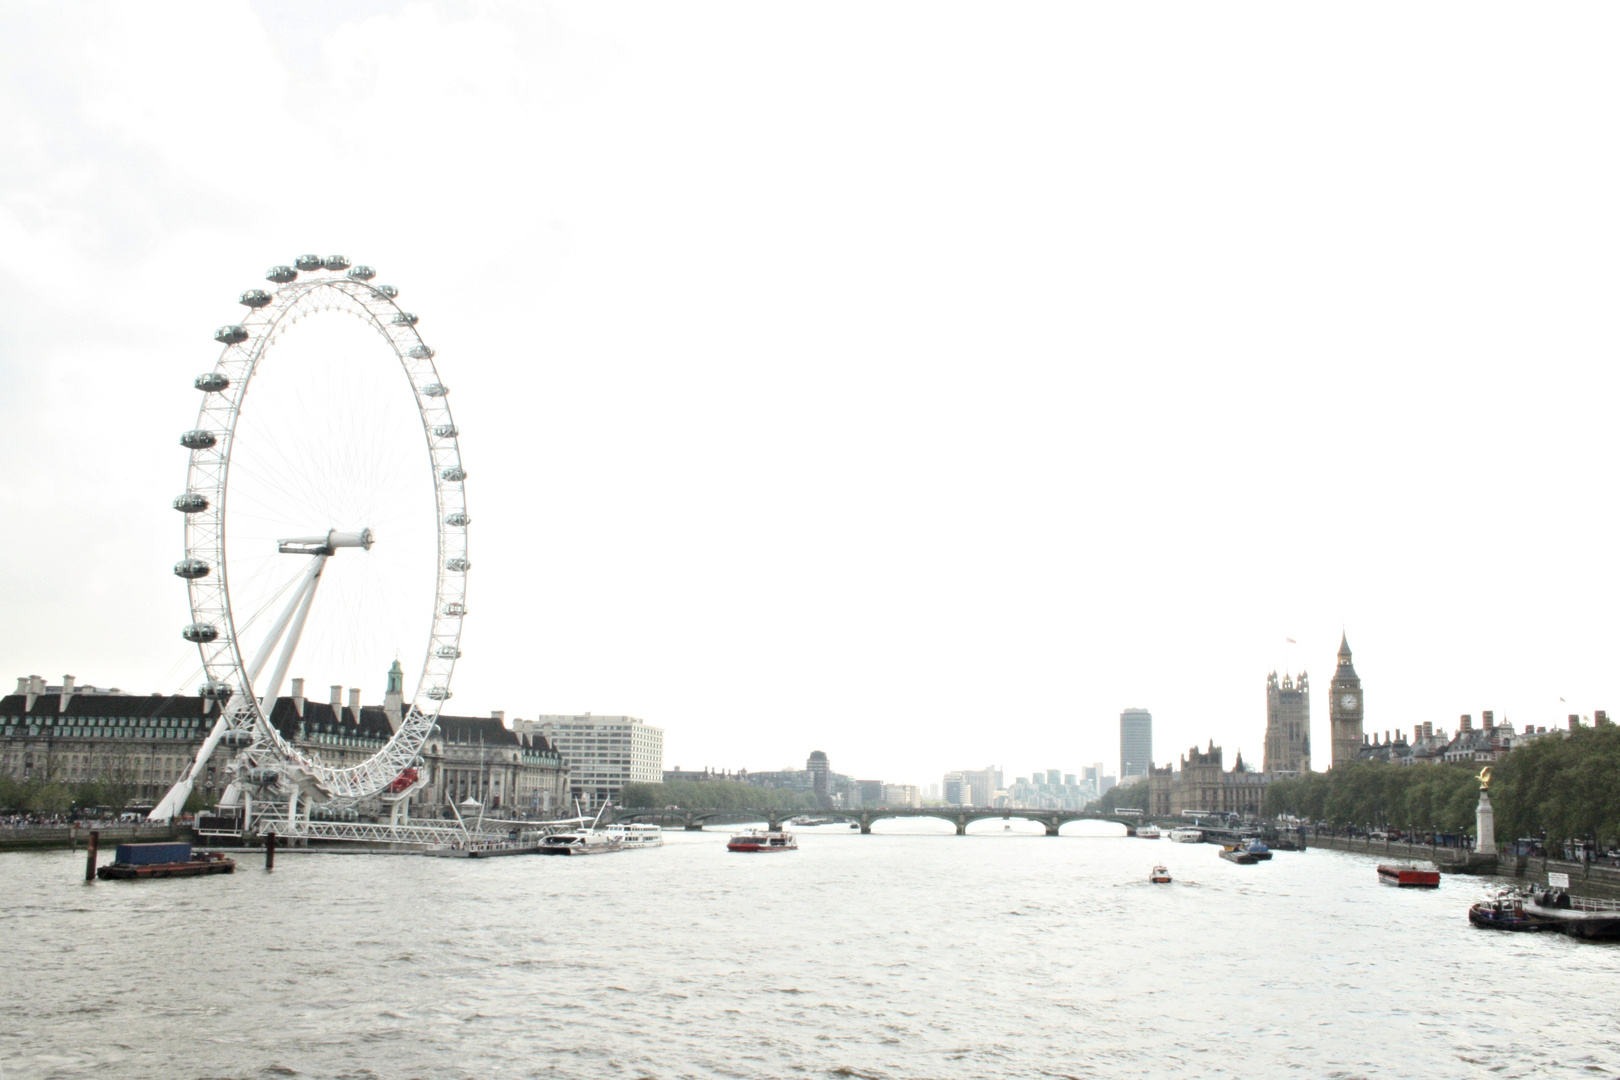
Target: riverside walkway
959	816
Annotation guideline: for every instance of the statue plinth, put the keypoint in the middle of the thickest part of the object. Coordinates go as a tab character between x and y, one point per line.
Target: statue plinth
1484	826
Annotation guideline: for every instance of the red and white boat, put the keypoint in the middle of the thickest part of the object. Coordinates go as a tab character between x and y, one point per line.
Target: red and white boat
1411	875
763	840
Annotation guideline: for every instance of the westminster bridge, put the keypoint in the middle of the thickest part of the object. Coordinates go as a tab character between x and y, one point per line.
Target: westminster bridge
959	816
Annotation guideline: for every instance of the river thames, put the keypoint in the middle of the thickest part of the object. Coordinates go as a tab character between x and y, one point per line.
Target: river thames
905	954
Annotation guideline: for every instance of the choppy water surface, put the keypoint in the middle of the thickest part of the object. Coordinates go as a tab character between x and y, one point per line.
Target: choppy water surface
898	955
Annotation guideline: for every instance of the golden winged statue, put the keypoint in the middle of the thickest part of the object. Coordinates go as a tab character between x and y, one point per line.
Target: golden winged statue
1485	778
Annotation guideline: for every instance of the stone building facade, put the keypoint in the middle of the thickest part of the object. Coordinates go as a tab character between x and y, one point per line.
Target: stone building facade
1288	724
1203	784
137	746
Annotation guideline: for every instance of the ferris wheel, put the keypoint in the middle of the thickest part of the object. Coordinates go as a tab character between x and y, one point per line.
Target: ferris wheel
312	476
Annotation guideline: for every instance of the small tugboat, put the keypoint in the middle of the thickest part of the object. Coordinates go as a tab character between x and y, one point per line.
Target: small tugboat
1410	875
136	861
1147	832
1159	876
1578	916
1258	849
763	840
1238	855
1505	911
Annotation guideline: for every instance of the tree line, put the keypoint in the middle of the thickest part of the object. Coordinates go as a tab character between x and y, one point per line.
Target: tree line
716	795
1566	787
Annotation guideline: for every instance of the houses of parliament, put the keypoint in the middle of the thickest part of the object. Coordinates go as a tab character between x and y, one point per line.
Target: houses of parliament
1288	717
1204	784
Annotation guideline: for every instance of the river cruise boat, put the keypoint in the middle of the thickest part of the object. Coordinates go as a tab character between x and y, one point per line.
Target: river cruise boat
1159	876
1505	910
1187	836
1238	855
763	840
580	842
134	862
632	837
1410	875
1578	916
1147	832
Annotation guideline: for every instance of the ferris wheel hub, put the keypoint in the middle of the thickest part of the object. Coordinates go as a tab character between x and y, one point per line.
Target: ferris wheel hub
328	544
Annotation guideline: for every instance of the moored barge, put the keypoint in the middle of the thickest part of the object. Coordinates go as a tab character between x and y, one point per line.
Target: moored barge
133	862
1410	875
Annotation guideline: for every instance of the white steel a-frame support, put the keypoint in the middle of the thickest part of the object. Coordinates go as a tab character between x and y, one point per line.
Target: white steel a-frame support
240	714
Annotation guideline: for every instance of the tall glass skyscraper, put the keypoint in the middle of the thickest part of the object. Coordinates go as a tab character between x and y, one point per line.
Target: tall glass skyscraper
1135	744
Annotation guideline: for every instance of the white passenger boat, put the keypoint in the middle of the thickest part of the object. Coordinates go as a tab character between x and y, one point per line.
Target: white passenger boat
1147	832
1187	836
580	842
637	836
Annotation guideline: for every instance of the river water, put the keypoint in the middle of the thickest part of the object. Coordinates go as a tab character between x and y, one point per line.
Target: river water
903	954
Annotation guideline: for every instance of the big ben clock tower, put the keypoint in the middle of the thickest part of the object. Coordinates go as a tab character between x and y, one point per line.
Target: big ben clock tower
1344	708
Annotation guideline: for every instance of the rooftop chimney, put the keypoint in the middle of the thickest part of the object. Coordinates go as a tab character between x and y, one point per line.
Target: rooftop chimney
337	702
1466	723
1487	719
354	702
1601	717
498	715
1574	721
67	693
36	687
1428	729
298	697
22	684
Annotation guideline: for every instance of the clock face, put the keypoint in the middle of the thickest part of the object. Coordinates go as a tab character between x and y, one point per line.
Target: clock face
1348	703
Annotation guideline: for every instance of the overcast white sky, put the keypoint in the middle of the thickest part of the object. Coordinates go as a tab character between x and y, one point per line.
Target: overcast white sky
919	383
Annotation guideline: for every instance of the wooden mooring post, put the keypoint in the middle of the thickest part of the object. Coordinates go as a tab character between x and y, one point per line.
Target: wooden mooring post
270	850
91	848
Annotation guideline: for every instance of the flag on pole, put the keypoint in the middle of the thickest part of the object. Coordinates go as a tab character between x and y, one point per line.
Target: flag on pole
1291	641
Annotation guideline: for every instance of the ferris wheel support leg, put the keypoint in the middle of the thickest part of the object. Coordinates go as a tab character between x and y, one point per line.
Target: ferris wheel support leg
302	601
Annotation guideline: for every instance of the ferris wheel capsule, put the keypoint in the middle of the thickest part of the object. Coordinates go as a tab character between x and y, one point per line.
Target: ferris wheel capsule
211	382
455	609
419	352
200	633
231	335
191	569
448	652
434	389
191	503
446	431
237	738
336	262
281	274
455	566
439	693
215	690
309	262
198	440
457	519
362	272
455	474
404	318
387	290
254	298
262	777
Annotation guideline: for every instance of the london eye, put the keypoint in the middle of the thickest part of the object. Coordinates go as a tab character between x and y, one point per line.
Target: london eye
341	468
